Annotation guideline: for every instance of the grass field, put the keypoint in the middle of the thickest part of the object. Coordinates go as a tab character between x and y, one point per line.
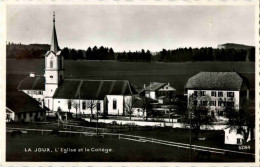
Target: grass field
121	150
138	73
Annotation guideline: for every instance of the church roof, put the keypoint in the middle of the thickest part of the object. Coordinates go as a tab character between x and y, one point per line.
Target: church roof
85	89
20	102
92	89
32	83
215	81
54	40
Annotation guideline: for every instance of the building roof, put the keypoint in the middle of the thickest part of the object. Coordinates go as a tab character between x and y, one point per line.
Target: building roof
153	86
215	81
32	83
54	40
20	102
92	89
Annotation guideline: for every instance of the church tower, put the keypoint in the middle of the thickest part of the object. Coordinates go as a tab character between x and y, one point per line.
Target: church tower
54	72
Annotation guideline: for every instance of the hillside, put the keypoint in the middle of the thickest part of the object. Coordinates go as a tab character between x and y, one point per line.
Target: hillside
234	46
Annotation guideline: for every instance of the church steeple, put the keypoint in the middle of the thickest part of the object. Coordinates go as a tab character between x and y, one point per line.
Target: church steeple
54	41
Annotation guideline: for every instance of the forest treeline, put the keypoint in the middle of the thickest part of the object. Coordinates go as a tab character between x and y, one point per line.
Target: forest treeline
37	51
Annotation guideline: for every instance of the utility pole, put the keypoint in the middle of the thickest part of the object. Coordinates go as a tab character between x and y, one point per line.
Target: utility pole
97	123
190	116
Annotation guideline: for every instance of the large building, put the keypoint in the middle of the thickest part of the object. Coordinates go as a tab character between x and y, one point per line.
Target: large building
75	95
158	91
22	108
217	90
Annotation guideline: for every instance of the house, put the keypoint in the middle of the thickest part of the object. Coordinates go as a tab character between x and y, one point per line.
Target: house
20	107
216	90
75	95
234	136
156	91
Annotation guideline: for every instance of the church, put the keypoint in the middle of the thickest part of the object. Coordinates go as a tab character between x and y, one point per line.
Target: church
78	96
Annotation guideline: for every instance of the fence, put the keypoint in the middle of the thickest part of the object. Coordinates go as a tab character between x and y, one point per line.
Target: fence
140	139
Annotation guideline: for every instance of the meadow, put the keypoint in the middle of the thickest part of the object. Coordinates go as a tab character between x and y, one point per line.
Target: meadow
138	73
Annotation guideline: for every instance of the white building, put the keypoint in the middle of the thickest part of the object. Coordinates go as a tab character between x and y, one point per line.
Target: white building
158	91
22	108
234	136
75	95
217	90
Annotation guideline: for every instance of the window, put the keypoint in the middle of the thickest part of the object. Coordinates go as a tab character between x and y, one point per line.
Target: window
213	93
195	93
58	101
114	104
19	116
212	103
69	105
39	92
51	76
204	103
98	106
230	94
203	93
239	141
83	105
220	94
51	64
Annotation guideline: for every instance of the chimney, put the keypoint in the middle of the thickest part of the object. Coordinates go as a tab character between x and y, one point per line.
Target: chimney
169	83
144	85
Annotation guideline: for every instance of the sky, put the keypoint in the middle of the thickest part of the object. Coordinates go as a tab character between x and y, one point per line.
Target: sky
132	27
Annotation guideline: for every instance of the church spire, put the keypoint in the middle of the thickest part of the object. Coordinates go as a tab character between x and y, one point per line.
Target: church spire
54	41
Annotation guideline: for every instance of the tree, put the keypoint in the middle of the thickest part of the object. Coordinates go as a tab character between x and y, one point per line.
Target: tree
89	54
69	102
252	54
80	54
129	103
73	54
242	120
91	104
146	107
111	54
65	53
197	114
75	105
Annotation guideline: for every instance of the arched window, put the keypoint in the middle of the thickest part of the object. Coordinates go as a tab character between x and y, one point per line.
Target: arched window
51	64
114	104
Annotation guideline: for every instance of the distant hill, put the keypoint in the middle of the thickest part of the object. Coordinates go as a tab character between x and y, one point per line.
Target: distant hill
32	51
234	46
